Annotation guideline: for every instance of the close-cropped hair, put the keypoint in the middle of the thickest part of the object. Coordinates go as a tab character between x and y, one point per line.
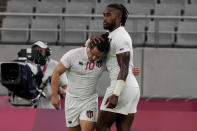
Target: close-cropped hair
123	10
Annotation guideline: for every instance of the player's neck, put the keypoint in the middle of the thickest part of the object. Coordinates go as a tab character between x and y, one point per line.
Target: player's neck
117	26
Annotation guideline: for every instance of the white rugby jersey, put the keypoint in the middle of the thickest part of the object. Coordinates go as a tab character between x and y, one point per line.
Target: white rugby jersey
120	42
82	74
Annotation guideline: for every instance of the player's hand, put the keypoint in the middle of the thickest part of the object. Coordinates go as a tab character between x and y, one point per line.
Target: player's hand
62	91
112	101
96	39
136	70
55	101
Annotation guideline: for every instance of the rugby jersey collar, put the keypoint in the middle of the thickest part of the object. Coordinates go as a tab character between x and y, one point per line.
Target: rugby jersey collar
116	30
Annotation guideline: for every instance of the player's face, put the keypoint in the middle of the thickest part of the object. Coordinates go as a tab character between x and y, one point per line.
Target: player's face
94	54
110	18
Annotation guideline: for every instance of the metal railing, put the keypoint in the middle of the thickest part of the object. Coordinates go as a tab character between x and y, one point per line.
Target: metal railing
157	18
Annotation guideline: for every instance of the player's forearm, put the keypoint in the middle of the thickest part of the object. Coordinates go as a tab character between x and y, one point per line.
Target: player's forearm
123	61
120	83
123	72
55	83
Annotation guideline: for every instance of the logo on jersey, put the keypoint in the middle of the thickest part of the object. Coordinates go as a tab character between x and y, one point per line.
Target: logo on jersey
99	63
80	63
89	114
121	49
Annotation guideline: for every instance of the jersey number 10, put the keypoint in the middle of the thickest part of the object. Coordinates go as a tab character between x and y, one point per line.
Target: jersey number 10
90	65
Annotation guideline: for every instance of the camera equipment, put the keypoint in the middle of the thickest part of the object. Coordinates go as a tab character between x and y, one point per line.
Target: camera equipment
32	55
48	51
23	79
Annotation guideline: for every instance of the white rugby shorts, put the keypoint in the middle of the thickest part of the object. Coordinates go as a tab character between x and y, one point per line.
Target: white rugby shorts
76	110
127	101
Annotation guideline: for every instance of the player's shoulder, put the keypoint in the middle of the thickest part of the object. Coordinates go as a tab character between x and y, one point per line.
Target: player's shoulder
74	53
122	34
122	38
76	50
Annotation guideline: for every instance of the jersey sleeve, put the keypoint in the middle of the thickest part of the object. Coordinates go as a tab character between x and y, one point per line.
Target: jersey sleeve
67	59
121	45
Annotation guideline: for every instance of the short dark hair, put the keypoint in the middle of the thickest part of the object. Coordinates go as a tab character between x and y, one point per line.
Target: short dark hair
123	11
102	46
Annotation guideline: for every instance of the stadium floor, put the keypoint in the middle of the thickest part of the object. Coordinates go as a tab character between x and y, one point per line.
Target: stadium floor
152	115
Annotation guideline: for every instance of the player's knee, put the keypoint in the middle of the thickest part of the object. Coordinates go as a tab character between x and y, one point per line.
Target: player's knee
100	126
102	129
87	129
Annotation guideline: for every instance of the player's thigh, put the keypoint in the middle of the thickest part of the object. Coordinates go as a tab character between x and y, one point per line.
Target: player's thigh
106	119
90	110
89	115
76	128
87	125
124	122
72	112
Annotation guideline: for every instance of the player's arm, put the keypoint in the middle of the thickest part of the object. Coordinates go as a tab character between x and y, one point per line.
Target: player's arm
123	62
60	69
63	85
